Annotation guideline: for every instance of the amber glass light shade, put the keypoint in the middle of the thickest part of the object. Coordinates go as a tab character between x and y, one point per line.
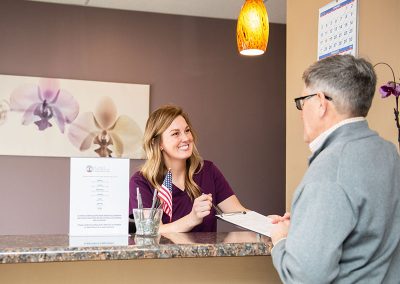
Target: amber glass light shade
252	28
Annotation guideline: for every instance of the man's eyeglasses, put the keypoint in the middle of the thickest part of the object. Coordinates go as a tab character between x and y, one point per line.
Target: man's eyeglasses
300	100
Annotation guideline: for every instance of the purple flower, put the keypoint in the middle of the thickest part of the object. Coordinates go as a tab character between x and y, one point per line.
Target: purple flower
43	103
391	88
4	109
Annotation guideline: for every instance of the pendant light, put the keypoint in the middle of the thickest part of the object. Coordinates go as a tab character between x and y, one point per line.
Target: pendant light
252	28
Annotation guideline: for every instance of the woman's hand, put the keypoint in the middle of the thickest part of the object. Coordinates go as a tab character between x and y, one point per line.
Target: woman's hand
201	208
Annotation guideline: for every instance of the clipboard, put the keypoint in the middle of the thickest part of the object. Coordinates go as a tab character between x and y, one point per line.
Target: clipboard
249	220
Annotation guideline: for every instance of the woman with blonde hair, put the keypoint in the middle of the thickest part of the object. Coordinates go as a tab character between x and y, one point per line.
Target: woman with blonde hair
197	185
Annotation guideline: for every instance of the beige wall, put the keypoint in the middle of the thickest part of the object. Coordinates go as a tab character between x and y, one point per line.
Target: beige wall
379	40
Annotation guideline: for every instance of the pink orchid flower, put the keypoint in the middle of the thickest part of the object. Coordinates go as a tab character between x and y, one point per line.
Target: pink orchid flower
113	135
4	109
44	102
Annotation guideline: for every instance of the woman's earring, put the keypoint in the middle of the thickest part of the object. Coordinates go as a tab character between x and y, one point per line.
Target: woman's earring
161	148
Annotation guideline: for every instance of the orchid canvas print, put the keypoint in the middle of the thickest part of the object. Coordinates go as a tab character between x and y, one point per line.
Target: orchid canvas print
71	118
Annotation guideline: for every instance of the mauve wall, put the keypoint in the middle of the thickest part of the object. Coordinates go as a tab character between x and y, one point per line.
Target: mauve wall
236	103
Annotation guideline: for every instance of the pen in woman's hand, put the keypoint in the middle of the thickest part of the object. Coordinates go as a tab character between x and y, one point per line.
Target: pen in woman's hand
219	212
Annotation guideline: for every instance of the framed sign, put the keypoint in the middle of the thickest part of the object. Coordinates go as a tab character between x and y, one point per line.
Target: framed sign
99	197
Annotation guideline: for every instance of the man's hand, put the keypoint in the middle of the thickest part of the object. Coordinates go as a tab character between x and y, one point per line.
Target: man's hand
281	228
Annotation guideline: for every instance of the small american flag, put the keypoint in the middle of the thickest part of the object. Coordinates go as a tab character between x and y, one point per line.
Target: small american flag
165	194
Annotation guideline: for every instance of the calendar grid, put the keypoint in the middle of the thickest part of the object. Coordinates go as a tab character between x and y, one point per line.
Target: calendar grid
338	28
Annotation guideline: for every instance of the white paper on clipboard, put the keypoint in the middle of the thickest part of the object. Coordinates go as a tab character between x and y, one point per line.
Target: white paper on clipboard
252	221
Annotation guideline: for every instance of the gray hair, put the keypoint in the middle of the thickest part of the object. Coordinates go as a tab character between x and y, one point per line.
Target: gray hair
350	81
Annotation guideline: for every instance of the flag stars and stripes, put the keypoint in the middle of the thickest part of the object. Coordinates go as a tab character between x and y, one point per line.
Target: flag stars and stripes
165	194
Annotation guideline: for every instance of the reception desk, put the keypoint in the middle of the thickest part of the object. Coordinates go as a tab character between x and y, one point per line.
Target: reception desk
234	257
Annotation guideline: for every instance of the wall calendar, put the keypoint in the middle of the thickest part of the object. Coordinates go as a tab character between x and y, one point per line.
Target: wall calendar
338	28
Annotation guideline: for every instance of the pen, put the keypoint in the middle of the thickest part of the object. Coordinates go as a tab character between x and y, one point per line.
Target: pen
153	203
219	212
139	198
140	204
233	213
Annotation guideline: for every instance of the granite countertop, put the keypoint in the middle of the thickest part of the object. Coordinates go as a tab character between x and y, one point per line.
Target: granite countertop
52	248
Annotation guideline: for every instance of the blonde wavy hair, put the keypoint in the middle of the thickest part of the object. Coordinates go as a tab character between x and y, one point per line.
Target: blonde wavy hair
154	168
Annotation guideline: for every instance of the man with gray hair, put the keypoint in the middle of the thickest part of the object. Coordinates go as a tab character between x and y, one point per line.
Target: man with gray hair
345	221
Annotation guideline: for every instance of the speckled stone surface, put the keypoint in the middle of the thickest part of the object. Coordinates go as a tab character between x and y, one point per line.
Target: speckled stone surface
52	248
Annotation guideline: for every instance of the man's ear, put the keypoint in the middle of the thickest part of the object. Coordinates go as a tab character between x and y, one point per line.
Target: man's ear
323	104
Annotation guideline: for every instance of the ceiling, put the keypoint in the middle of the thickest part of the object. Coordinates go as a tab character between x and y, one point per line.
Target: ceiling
224	9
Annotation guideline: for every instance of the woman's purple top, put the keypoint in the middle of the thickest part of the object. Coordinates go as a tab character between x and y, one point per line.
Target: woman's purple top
209	179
